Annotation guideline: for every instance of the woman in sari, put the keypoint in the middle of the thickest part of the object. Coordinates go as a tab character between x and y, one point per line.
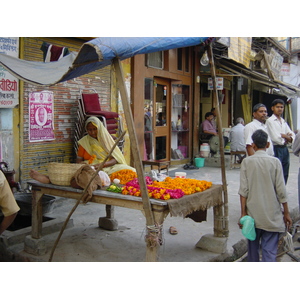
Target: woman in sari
95	146
93	149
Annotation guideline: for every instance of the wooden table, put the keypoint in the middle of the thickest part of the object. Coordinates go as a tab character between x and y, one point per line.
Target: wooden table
158	163
233	155
160	208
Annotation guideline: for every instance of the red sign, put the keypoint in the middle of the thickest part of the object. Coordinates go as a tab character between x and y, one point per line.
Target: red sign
41	116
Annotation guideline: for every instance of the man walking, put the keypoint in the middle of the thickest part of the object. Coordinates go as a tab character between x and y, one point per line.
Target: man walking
263	195
280	134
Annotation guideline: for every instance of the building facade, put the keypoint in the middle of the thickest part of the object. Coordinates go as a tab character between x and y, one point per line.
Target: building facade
170	93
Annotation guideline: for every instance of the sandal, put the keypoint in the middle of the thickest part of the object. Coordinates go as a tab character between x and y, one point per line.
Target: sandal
173	230
193	168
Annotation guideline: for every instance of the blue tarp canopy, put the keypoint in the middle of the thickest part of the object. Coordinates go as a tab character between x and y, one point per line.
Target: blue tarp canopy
93	55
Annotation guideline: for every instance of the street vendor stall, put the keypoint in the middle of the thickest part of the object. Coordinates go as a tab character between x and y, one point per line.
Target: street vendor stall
211	197
97	54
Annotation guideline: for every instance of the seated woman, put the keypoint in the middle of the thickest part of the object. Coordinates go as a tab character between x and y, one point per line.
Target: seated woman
94	147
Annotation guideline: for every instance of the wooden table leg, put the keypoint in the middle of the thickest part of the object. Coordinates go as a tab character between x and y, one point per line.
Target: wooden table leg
109	222
218	220
37	214
110	211
159	214
35	244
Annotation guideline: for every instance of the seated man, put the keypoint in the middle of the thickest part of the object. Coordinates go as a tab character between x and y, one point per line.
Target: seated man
207	125
237	139
209	128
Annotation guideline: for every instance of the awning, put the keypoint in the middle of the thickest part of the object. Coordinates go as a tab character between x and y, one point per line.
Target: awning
93	55
280	87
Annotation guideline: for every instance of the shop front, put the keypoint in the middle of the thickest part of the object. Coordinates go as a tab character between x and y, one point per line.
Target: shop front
162	95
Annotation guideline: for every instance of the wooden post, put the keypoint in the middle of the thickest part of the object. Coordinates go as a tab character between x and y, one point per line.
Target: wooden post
151	252
219	123
37	214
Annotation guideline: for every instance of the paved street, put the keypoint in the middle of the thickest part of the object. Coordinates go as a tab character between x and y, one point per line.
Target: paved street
86	242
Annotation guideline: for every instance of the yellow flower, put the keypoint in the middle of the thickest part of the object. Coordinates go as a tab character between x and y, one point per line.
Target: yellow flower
124	176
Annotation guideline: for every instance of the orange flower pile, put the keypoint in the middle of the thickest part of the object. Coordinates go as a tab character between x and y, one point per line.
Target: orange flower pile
187	185
123	175
170	188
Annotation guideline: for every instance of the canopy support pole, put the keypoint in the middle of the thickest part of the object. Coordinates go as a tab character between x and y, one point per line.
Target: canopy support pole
219	123
151	252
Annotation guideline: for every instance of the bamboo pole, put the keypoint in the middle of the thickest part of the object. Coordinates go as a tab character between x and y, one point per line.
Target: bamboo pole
219	123
151	251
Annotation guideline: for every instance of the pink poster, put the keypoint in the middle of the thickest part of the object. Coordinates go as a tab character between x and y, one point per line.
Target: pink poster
41	116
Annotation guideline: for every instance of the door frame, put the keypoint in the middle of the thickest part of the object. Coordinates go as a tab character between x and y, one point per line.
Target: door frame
160	131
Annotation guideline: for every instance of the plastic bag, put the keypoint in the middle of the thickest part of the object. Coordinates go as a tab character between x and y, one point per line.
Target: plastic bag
286	243
248	229
104	178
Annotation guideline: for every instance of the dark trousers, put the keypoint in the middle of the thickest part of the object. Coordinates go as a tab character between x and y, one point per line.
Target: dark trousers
282	152
269	244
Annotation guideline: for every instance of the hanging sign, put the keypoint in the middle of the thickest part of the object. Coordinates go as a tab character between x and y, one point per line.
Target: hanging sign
219	83
285	70
9	84
41	119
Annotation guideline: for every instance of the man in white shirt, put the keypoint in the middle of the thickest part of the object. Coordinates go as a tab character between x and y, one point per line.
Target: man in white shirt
236	136
260	116
296	150
280	134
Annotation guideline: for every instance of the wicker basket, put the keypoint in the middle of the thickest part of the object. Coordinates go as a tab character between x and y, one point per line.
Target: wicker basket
61	173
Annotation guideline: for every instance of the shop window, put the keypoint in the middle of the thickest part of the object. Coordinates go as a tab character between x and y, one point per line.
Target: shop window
183	59
155	60
180	121
187	60
148	118
179	59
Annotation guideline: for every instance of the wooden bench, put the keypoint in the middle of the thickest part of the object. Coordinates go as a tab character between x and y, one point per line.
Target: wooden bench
158	163
233	155
211	197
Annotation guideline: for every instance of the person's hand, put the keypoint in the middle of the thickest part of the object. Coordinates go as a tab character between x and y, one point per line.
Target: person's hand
287	221
240	225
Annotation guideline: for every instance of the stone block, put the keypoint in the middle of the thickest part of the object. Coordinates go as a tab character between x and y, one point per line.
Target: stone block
213	244
108	224
35	246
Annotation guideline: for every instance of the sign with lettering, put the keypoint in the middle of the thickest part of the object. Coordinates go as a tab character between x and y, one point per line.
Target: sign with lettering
41	119
219	82
9	84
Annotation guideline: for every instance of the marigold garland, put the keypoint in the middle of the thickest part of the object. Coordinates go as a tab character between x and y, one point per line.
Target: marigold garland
124	176
187	185
170	188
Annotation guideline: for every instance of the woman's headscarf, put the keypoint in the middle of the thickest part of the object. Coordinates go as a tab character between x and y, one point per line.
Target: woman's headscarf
104	139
